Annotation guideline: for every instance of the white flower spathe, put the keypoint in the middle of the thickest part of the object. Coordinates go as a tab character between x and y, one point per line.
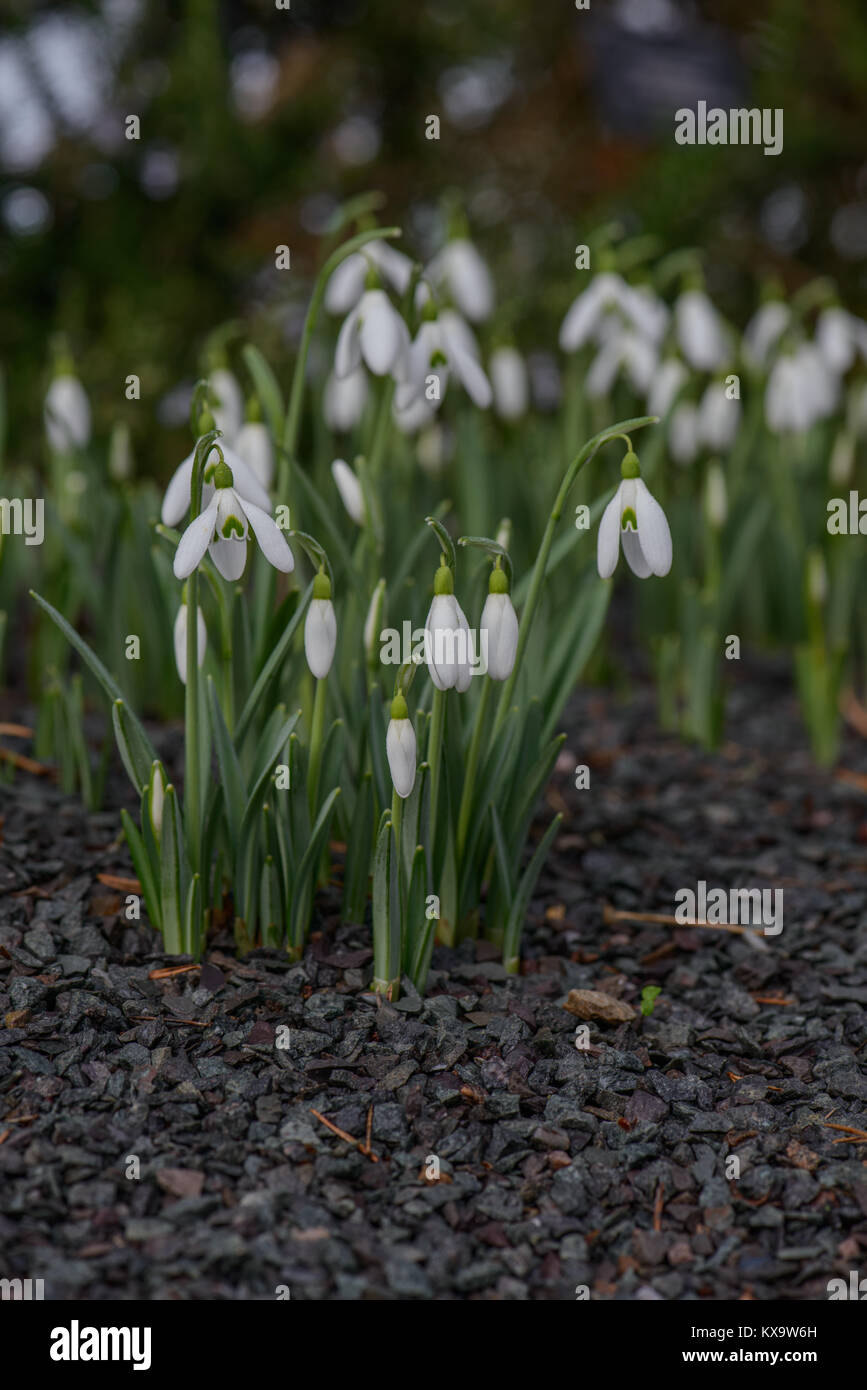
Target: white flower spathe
510	383
228	413
351	493
320	636
375	333
446	337
222	529
764	330
346	284
67	414
400	747
460	270
447	643
647	546
701	332
344	400
499	626
254	446
180	640
176	502
718	418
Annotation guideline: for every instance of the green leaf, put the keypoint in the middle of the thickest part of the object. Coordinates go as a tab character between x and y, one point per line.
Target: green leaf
193	922
307	869
271	668
235	796
171	910
144	869
518	911
445	540
267	389
359	847
133	750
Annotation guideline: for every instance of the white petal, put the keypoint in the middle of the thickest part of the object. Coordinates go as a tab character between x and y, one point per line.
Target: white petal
271	540
320	636
382	340
180	640
464	652
67	414
395	266
229	413
195	540
351	494
653	530
176	502
500	623
469	280
253	446
400	747
608	537
442	641
244	480
347	353
230	557
633	553
344	400
509	383
346	285
472	377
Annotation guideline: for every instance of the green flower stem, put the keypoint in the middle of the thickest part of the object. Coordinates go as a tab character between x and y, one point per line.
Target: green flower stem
192	742
317	731
472	765
397	826
434	757
381	428
538	579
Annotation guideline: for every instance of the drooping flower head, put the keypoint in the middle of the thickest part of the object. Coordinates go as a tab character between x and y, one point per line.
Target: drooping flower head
447	636
499	627
400	747
223	529
320	628
635	520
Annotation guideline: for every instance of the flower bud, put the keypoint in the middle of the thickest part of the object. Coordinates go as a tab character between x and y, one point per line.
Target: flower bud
350	491
320	628
499	628
400	747
180	639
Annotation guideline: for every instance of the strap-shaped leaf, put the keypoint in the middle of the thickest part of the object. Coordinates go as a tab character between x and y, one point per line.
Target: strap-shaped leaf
381	775
359	847
193	918
107	681
307	869
235	797
518	911
171	904
145	871
131	745
271	667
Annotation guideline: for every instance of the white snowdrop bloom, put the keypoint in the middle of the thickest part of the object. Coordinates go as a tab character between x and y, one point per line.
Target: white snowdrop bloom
228	412
649	314
176	502
67	414
460	271
346	284
606	291
375	333
683	436
509	383
800	391
667	380
222	530
254	446
180	639
344	400
499	628
839	336
764	330
400	748
701	333
351	494
156	797
320	628
624	350
718	418
716	498
447	637
442	347
417	415
635	520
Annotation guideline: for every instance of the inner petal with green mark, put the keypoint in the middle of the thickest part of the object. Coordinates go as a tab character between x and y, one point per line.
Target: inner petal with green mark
628	520
232	524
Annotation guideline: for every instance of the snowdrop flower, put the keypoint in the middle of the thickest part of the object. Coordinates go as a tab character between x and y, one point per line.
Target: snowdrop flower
347	283
253	445
443	345
716	500
683	435
606	291
176	502
701	333
320	628
764	331
460	271
415	416
509	383
718	418
373	622
635	520
222	529
499	627
839	336
344	400
800	391
667	381
228	412
623	349
66	414
375	332
400	747
447	636
180	638
648	312
351	494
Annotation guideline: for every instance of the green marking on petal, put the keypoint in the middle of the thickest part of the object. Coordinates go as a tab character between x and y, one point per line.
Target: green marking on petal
439	359
232	524
628	520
